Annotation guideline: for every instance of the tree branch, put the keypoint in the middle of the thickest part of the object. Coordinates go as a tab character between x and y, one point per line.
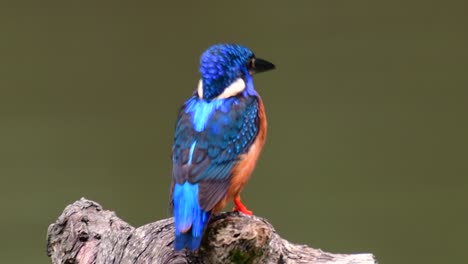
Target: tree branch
85	234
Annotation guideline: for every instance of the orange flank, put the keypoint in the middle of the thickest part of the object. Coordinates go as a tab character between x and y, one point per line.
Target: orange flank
244	168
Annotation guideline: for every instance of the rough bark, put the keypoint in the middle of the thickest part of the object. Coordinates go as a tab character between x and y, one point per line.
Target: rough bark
85	233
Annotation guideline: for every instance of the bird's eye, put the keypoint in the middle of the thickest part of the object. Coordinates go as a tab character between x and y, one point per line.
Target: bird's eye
251	64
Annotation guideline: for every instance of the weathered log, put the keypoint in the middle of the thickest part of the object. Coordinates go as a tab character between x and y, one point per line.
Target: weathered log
85	233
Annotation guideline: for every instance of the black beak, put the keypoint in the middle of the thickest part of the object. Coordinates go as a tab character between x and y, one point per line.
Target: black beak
260	65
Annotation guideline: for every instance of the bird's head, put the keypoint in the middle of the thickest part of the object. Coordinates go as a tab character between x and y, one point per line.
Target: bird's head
226	70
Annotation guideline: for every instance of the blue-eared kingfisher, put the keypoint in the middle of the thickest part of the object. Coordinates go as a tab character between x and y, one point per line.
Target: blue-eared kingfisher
219	134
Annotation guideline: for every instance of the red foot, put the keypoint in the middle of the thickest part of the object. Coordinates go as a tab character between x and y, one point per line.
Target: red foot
241	207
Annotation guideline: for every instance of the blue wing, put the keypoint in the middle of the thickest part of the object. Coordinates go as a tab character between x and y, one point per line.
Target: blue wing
209	137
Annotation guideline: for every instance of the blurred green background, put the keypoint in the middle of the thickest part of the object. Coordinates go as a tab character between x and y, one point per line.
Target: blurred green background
367	144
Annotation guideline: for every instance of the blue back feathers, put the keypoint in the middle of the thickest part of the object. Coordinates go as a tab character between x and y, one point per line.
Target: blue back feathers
202	110
222	64
222	133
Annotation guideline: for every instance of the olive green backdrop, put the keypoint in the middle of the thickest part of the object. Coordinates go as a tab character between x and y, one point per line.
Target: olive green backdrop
367	110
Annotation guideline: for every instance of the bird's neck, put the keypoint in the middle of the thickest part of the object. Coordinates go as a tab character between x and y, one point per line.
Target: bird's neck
242	85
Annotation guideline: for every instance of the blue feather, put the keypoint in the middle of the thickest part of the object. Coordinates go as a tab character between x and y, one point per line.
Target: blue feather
201	111
189	219
192	148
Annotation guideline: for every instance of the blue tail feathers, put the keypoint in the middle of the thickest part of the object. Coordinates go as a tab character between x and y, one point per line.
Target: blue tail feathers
189	219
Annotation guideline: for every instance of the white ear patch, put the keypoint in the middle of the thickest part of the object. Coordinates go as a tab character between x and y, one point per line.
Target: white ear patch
200	88
234	89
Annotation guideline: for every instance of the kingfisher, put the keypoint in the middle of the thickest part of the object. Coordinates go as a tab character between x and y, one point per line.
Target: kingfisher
219	134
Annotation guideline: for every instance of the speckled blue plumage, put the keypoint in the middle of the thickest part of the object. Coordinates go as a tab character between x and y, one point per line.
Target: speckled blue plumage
231	127
220	65
210	135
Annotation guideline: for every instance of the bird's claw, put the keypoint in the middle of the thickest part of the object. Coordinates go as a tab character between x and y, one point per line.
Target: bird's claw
240	207
243	210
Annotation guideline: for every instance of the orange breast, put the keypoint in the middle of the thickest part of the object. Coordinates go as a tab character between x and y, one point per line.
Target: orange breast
244	168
